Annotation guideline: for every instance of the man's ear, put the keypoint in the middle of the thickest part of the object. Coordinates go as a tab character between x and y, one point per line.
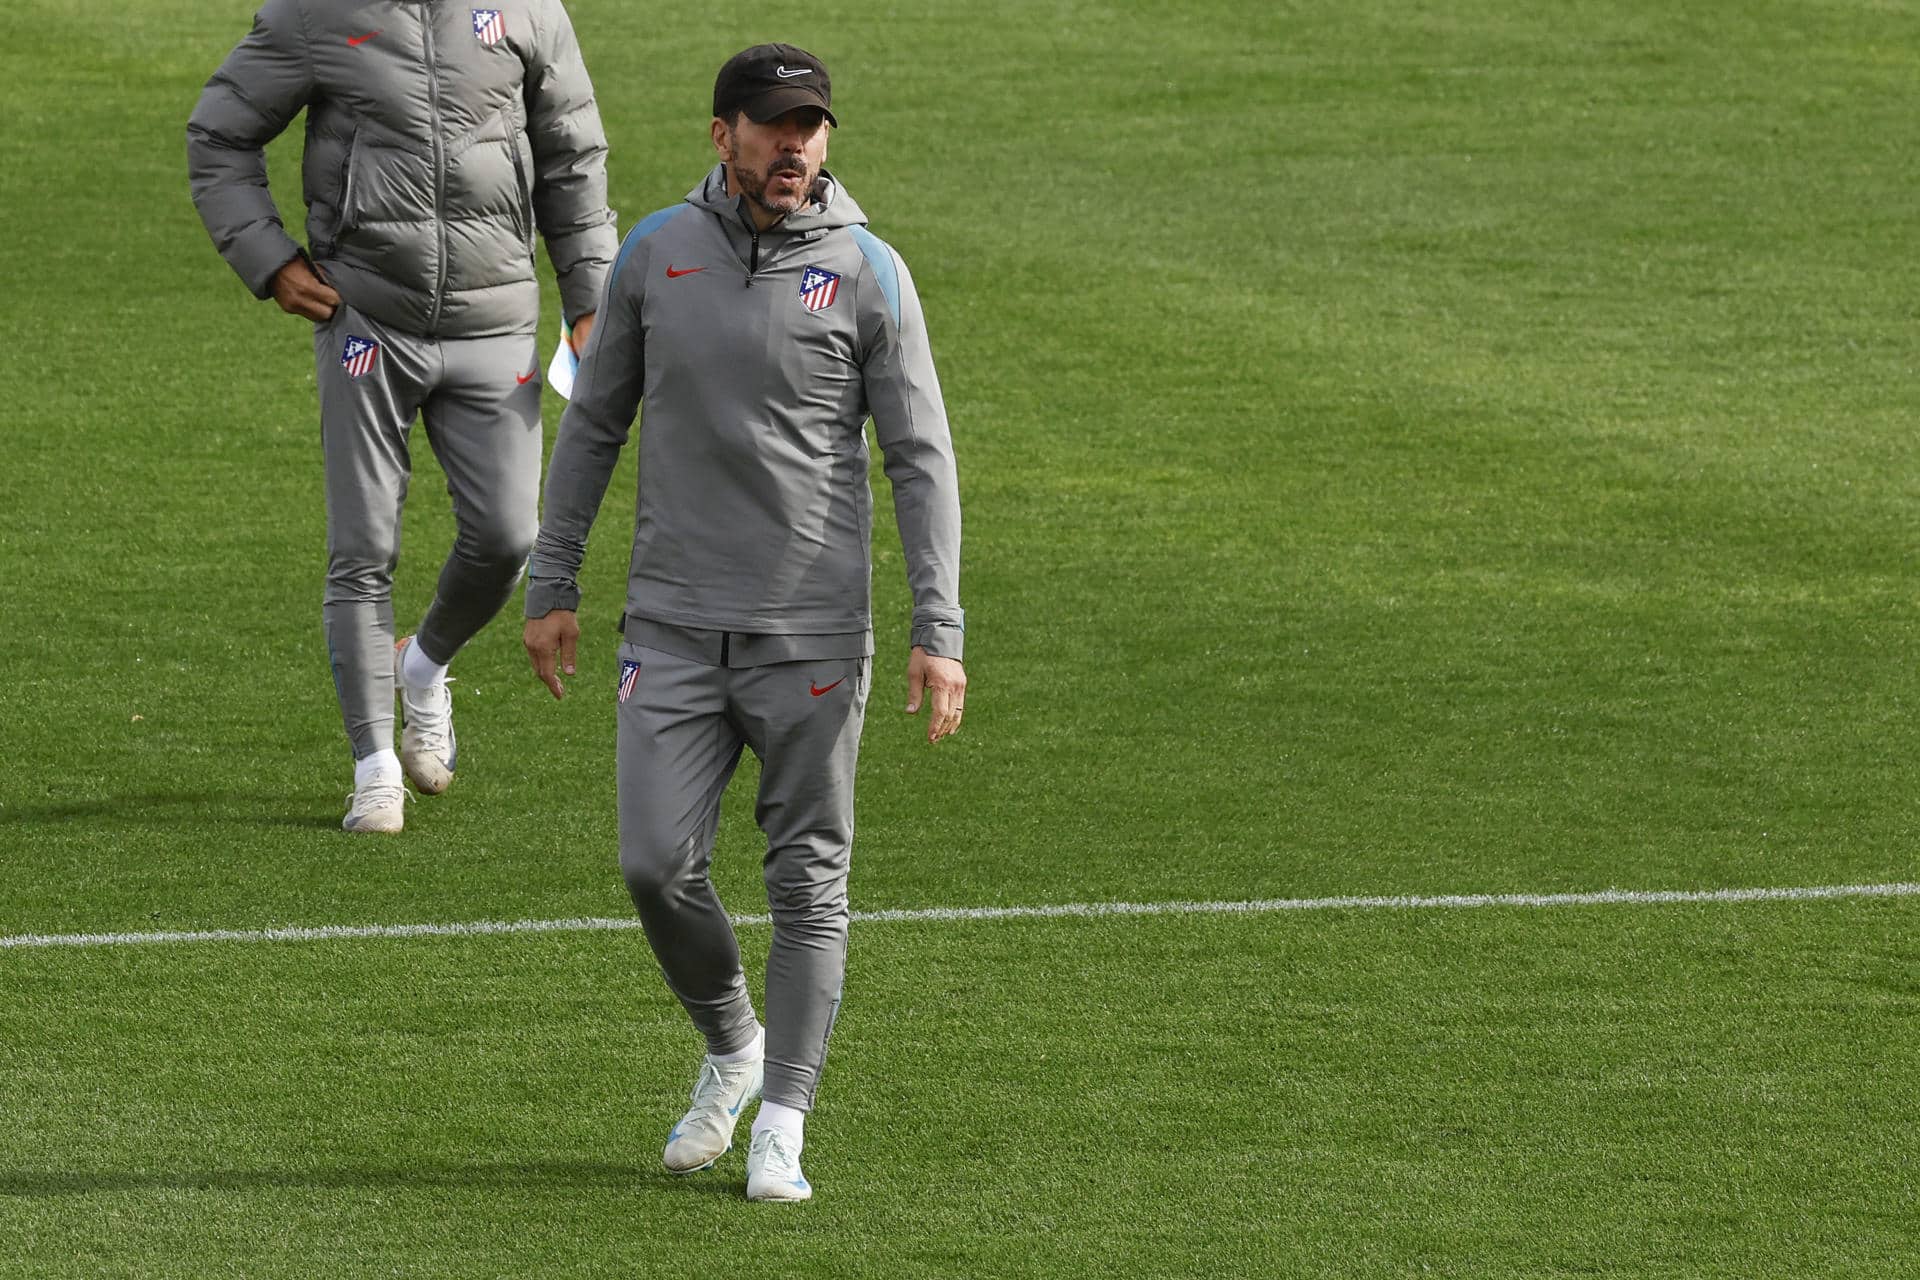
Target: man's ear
722	138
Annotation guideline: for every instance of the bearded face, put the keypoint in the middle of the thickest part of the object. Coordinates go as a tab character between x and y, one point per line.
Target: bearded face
780	188
776	163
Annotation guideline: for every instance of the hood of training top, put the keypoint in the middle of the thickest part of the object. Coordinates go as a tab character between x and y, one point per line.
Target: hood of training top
439	138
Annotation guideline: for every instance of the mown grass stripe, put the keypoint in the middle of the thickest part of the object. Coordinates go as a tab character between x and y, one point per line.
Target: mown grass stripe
1067	910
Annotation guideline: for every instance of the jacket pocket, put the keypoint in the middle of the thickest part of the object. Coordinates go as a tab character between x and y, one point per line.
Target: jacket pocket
523	190
349	210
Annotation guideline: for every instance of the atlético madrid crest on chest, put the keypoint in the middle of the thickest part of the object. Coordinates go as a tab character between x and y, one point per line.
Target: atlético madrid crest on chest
358	355
818	288
488	26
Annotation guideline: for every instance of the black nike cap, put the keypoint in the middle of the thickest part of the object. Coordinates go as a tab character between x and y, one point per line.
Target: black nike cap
770	80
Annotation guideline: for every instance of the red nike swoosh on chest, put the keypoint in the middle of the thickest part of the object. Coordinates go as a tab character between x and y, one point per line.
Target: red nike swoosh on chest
675	275
354	42
829	689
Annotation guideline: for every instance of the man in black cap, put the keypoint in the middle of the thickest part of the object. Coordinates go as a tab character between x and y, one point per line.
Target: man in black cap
759	323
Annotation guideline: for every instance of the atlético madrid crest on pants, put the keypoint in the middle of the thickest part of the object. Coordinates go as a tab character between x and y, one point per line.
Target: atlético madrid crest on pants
488	26
818	288
359	355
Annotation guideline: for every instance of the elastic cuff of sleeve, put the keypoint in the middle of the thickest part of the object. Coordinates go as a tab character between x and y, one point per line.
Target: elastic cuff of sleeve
939	640
583	277
544	595
576	301
258	257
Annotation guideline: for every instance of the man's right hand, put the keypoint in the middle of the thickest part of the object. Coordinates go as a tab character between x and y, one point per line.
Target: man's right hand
549	639
300	292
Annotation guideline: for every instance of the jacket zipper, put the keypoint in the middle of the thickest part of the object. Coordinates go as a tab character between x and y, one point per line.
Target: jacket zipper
439	176
753	259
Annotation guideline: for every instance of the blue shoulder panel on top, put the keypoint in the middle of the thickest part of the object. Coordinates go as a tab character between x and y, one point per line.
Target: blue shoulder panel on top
644	228
882	259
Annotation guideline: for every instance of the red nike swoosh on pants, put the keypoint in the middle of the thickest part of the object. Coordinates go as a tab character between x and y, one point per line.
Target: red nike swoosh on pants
829	689
524	378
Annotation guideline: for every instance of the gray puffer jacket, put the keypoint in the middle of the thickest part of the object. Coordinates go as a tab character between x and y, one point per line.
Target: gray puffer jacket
439	137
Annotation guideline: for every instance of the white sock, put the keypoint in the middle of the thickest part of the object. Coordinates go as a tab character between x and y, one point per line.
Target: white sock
417	670
747	1054
381	764
791	1121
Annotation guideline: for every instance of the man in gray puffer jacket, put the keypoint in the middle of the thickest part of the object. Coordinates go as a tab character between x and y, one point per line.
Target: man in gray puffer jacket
439	138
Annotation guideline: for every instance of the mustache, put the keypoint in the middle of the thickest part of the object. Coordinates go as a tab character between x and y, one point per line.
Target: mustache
788	164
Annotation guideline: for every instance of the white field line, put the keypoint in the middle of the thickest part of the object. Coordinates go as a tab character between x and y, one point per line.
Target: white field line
1070	910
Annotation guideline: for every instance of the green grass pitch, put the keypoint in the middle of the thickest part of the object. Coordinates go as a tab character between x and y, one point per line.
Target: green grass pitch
1407	449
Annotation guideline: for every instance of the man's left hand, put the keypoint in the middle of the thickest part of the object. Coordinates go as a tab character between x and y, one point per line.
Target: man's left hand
581	328
946	680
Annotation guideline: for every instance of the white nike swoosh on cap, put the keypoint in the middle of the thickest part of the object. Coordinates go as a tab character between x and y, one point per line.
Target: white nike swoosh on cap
785	74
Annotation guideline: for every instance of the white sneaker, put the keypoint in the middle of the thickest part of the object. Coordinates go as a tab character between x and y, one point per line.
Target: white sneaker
773	1168
378	807
427	748
705	1133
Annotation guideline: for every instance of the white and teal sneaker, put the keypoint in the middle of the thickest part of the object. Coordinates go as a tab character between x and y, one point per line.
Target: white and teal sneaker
705	1133
427	747
378	807
773	1168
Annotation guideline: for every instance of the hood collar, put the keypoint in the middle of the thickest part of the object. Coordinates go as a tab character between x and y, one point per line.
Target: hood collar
831	207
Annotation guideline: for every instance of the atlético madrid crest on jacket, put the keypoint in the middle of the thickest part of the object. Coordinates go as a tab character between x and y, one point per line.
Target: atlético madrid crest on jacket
818	288
488	26
359	355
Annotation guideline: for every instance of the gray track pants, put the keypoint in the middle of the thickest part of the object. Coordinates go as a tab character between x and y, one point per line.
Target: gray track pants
484	427
681	728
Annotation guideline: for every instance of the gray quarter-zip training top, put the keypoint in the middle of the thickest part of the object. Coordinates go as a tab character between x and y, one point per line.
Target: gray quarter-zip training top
755	360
